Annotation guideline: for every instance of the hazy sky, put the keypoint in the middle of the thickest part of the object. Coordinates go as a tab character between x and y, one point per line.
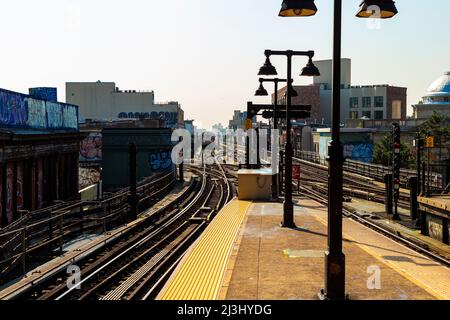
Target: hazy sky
206	53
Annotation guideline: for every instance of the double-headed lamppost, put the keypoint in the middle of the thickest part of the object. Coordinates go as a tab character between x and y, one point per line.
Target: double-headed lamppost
268	70
334	258
262	92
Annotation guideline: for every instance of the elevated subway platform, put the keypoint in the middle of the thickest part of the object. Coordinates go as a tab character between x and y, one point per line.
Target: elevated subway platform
436	217
244	254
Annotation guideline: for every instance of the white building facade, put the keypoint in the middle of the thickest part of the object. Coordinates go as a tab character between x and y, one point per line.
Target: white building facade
375	102
104	101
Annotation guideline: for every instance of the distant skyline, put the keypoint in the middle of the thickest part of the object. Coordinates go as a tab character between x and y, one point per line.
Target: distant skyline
206	53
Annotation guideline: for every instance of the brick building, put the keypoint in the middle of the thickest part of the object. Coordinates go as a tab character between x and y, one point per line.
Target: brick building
370	102
306	95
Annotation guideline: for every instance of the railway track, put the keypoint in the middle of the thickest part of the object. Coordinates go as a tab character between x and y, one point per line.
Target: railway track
135	264
355	185
311	193
39	232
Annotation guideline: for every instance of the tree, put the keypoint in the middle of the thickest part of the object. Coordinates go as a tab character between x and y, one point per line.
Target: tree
382	153
437	126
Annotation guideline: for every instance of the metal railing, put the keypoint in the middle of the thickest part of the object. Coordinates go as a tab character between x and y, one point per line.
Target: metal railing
44	230
433	183
370	170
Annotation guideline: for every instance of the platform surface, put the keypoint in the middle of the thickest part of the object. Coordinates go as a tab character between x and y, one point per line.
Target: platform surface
265	261
442	202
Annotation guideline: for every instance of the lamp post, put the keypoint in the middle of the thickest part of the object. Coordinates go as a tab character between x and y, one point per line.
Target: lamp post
261	92
309	70
334	257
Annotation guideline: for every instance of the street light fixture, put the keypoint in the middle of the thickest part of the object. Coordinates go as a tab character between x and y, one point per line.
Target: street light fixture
298	8
383	9
310	70
263	92
288	205
294	92
334	257
267	69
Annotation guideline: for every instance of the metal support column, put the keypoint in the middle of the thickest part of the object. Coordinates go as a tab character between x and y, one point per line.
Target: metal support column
133	182
288	205
413	187
334	257
388	196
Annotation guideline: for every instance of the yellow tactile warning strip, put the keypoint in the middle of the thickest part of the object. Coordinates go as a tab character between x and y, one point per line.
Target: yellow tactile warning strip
199	275
420	270
231	262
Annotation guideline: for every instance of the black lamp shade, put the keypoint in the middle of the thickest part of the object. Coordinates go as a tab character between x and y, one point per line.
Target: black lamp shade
369	9
267	69
261	92
294	93
298	8
310	70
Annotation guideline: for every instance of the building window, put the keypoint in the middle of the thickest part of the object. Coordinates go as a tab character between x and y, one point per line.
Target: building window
367	114
379	115
379	102
367	102
446	99
354	102
316	148
397	109
353	115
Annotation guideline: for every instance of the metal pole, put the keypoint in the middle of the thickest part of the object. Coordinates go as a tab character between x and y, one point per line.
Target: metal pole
288	206
275	127
388	193
247	152
181	166
203	136
424	179
281	174
133	181
418	147
334	257
413	186
258	160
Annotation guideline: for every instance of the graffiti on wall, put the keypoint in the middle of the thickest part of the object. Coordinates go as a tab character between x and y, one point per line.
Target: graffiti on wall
88	176
20	111
359	152
13	109
43	93
160	161
91	147
70	116
36	113
54	115
9	192
19	186
170	118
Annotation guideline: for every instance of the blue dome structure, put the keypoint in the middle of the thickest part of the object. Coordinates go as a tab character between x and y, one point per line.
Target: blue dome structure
439	90
437	99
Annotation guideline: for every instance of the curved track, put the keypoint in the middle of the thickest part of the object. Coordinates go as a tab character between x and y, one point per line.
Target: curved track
130	266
